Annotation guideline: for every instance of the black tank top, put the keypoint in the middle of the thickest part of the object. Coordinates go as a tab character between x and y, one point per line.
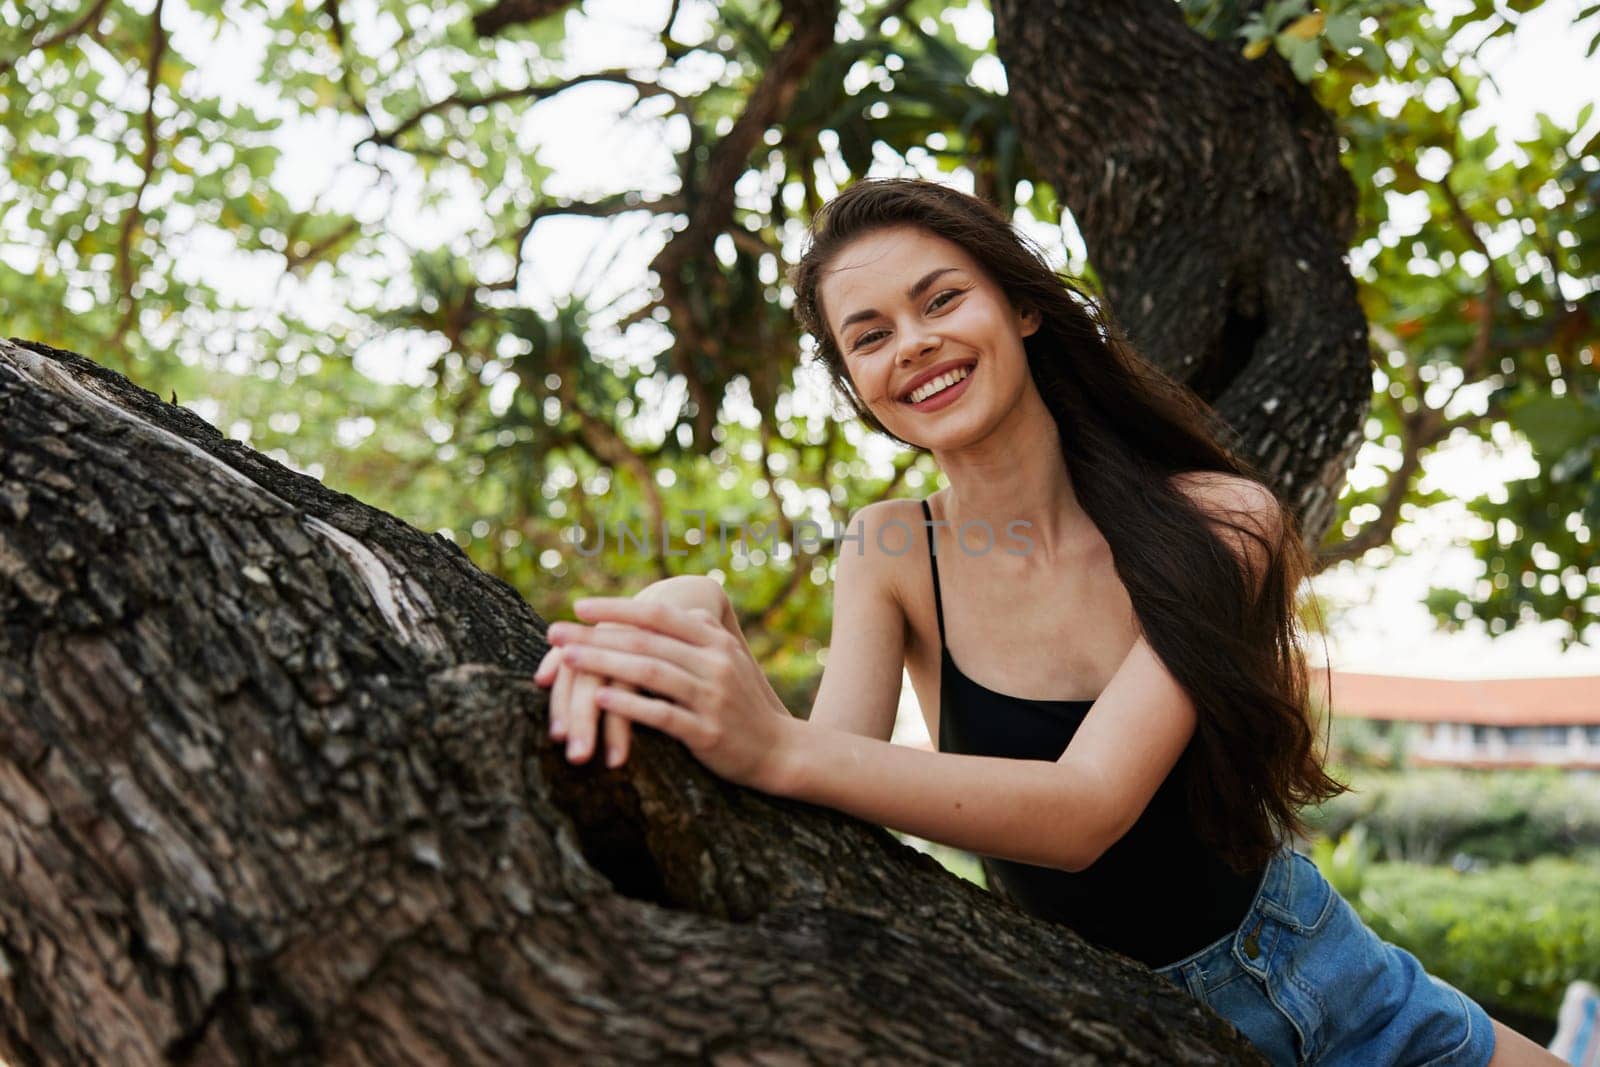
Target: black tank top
1158	894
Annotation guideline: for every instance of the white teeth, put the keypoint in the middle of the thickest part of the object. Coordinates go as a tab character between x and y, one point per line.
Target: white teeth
944	381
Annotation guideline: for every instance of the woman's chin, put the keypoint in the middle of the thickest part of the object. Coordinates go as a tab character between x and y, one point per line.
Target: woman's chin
946	436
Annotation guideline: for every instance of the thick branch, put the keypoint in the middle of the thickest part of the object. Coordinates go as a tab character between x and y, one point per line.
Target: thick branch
277	788
1379	531
1210	194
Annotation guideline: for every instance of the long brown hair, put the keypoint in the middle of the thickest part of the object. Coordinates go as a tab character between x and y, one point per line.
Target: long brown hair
1126	428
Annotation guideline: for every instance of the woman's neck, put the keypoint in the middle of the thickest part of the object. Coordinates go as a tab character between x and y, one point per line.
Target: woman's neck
1018	473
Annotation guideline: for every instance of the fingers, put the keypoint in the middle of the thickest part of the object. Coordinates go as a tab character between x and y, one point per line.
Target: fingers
637	639
560	701
617	733
546	671
693	627
661	714
582	713
575	715
666	679
642	657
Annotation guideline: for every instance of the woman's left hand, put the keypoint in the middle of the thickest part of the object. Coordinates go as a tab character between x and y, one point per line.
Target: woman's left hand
704	687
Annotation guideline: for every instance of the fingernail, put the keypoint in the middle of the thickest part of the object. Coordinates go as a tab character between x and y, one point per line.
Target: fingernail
575	748
613	757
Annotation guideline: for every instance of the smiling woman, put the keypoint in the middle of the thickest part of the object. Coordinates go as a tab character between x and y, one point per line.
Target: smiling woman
1148	797
954	313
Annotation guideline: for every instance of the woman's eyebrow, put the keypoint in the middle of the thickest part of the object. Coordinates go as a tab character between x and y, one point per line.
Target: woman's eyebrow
917	289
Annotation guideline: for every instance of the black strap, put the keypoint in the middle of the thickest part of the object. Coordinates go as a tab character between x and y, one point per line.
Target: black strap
933	557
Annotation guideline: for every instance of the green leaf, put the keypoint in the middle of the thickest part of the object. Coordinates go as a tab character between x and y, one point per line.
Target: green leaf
1556	425
1302	54
1343	30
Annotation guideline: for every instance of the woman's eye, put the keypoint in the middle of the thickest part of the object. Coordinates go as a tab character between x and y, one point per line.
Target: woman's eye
943	298
866	338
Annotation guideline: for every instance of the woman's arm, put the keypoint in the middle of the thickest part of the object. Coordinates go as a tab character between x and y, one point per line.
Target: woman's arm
861	679
1061	814
714	698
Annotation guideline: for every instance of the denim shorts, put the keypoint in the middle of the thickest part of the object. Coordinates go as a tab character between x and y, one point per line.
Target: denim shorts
1307	982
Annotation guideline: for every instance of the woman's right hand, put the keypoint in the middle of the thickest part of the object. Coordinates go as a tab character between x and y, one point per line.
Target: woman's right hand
574	715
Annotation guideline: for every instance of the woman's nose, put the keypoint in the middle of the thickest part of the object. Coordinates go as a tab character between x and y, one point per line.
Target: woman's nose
915	343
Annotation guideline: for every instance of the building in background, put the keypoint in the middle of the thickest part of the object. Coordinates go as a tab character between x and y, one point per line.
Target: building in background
1488	723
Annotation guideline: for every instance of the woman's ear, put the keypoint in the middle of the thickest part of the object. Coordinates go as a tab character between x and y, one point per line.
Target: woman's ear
1031	321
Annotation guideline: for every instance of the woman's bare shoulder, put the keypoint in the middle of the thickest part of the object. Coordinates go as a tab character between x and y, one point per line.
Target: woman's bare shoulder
1232	495
882	536
1240	508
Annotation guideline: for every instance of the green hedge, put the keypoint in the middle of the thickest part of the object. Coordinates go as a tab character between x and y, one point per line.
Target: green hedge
1434	815
1513	935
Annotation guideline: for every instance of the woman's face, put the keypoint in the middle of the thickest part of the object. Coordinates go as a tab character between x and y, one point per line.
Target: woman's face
906	308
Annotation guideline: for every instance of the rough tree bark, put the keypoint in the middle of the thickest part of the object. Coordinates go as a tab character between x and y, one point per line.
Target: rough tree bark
1209	192
275	786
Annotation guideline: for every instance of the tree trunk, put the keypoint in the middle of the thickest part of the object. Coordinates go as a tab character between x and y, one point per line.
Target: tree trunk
1209	192
275	785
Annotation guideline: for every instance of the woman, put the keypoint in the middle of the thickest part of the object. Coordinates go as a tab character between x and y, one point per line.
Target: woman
1163	737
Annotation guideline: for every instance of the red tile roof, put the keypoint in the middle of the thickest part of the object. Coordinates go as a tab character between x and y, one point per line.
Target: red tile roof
1487	702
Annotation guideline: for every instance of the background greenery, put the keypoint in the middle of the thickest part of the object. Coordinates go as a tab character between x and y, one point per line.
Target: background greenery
1511	935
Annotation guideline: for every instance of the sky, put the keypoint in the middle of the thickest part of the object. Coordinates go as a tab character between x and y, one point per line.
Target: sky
1380	626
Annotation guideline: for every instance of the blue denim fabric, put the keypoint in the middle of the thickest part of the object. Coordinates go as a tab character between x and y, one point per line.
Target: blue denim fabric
1307	982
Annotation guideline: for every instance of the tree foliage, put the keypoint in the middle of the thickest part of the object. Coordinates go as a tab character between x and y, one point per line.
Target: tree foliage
149	204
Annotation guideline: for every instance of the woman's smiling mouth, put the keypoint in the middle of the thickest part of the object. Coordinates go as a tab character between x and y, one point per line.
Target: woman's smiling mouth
941	391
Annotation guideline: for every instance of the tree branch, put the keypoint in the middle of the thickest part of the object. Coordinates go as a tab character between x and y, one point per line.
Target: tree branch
501	16
711	198
605	207
386	139
294	259
72	30
752	243
1379	531
602	441
1477	357
125	270
346	78
1425	427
